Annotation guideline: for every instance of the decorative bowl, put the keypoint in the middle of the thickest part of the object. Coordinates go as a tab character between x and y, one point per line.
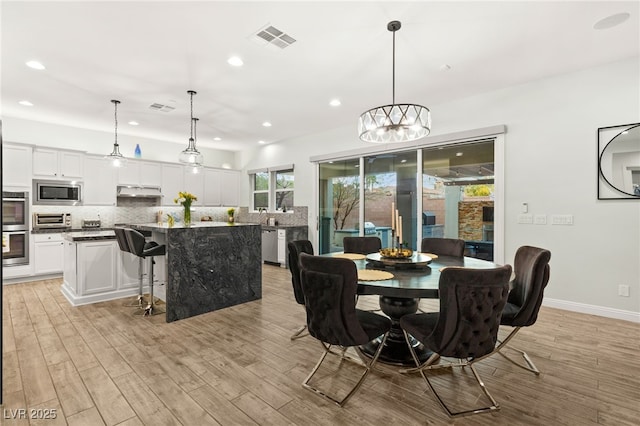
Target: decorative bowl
394	253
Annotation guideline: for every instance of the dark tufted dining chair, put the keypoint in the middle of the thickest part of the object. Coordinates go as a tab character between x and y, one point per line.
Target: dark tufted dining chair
295	248
361	245
329	286
443	246
531	267
466	328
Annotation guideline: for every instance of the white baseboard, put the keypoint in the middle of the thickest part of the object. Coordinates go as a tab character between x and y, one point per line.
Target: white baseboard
601	311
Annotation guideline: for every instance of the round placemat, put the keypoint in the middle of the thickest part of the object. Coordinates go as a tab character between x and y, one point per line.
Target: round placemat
373	275
350	256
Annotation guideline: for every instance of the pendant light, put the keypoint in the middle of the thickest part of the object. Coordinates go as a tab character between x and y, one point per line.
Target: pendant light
116	158
395	122
194	168
191	155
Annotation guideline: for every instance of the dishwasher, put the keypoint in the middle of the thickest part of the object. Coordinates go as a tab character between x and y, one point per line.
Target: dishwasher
270	246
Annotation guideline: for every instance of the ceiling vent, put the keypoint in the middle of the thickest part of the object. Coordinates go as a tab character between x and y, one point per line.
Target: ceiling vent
161	107
273	36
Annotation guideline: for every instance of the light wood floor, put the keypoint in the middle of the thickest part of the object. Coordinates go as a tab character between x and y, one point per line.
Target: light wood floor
100	364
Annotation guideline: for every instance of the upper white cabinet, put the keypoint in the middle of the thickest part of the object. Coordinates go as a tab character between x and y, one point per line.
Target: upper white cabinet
194	183
99	182
55	164
212	187
172	183
221	187
140	173
16	165
229	187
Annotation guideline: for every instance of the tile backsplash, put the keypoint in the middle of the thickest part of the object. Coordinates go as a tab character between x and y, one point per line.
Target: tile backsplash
109	215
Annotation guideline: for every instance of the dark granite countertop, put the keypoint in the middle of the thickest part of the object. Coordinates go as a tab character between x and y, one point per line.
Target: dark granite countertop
282	226
66	230
90	235
164	227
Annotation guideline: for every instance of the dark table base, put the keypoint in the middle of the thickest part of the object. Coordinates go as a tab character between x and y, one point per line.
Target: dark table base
396	351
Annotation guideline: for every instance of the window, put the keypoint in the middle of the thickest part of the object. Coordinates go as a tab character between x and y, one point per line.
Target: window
273	188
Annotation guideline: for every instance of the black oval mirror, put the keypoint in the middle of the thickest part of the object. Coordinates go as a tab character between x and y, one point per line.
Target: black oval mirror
619	162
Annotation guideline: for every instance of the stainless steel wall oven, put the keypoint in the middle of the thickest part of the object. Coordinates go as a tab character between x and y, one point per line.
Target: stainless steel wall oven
15	228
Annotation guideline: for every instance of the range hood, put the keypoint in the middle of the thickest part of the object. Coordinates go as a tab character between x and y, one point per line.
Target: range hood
139	192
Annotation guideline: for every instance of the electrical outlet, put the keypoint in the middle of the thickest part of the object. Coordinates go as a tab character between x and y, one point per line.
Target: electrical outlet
562	219
623	290
540	219
525	218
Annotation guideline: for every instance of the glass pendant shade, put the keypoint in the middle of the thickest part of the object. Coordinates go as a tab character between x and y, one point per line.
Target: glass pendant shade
191	156
395	122
116	158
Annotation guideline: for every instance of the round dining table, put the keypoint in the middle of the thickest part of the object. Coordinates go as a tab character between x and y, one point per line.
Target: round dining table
412	280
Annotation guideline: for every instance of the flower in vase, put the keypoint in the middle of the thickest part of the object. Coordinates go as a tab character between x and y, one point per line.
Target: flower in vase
185	199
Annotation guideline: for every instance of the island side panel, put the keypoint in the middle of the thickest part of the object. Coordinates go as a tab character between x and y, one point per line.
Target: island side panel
211	268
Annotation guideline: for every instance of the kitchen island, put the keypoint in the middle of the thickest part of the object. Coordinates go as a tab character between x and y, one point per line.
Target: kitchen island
209	265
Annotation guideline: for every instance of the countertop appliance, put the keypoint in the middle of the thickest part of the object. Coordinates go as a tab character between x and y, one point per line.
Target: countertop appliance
51	220
91	223
57	192
15	228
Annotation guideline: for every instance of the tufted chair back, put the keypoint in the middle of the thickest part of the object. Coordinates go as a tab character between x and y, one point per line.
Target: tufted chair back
329	285
295	248
361	245
471	303
443	246
531	267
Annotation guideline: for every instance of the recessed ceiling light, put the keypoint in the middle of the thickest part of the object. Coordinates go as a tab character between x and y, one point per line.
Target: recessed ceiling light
266	124
335	102
35	65
25	103
217	138
261	142
133	123
611	21
235	61
458	154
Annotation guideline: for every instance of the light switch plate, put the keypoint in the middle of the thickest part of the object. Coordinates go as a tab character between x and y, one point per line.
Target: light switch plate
540	219
525	218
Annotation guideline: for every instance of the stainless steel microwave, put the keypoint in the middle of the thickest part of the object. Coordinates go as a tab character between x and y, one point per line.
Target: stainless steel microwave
57	192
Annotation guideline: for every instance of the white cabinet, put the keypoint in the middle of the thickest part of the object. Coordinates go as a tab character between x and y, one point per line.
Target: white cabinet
212	187
229	187
140	173
16	165
221	187
128	265
48	253
96	262
282	247
194	183
99	182
51	163
70	272
172	183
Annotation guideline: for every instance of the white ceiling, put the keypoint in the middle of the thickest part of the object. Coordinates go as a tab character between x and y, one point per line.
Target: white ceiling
153	52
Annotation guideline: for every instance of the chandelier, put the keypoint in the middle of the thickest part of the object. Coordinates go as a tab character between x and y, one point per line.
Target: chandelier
395	122
116	158
194	168
191	156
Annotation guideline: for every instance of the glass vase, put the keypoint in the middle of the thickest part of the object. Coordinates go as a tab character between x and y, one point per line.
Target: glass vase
187	215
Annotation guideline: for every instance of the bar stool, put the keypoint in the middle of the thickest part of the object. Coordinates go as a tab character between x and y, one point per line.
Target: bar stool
143	249
121	237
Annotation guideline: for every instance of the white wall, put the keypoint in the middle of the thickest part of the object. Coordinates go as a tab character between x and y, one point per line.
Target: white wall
550	163
96	142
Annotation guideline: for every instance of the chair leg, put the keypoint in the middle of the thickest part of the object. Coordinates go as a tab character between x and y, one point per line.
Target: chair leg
530	365
463	363
299	333
368	367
